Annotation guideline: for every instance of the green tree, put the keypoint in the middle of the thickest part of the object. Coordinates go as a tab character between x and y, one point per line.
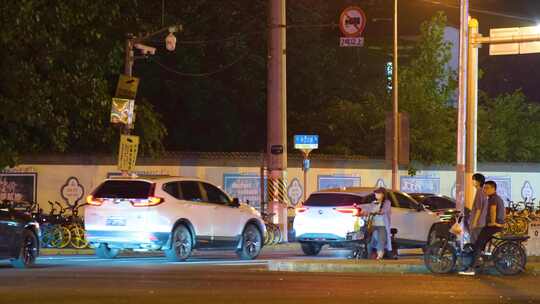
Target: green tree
341	93
508	129
58	63
427	86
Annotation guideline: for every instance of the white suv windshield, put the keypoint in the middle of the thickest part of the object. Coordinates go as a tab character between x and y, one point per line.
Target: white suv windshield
337	199
123	189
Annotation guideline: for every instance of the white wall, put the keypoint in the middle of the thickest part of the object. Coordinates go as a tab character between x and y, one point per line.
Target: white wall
518	180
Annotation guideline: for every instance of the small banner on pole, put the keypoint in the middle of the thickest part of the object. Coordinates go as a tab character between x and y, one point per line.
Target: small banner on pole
122	111
127	87
127	152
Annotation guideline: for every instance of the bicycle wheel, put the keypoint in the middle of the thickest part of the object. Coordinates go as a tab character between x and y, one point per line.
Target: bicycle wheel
440	257
47	235
521	225
269	235
508	225
57	236
77	237
278	237
509	258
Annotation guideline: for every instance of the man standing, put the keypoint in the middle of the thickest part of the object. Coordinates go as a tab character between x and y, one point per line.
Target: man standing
494	223
479	208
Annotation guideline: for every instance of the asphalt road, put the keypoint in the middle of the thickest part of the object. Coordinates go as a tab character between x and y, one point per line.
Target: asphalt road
221	278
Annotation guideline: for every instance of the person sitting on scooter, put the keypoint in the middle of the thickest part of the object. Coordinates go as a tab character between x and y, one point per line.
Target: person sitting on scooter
494	223
381	211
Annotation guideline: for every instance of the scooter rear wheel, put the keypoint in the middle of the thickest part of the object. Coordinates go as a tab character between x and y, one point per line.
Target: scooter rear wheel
440	257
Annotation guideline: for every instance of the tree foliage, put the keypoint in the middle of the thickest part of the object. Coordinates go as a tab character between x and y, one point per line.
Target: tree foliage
508	129
60	60
427	87
58	63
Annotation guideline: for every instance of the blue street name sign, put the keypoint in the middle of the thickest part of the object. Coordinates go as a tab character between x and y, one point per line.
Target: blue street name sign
306	142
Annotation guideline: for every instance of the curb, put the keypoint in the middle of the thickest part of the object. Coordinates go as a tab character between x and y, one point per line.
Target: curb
90	251
65	251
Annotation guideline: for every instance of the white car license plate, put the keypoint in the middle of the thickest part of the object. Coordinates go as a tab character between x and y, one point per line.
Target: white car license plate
115	221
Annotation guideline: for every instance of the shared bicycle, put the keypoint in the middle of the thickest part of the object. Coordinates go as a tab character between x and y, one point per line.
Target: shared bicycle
505	252
59	229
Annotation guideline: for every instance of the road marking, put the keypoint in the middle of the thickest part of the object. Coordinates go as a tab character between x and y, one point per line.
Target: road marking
135	260
97	259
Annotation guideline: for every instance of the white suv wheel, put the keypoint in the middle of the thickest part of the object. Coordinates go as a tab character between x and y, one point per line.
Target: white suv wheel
181	244
251	243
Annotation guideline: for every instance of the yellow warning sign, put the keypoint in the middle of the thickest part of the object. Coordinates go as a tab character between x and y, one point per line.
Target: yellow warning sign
127	152
127	87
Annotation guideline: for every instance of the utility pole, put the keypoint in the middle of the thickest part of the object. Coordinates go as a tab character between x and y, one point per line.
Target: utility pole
472	105
129	60
395	108
462	105
510	41
277	110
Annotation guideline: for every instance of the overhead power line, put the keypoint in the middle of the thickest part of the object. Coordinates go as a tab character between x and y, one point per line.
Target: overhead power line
238	36
184	74
482	11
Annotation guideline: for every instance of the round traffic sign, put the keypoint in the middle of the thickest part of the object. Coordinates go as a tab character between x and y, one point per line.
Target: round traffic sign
352	22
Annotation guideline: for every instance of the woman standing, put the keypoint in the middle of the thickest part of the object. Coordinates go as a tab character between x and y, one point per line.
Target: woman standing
380	236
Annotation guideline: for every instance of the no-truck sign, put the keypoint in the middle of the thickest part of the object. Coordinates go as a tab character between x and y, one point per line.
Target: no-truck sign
352	22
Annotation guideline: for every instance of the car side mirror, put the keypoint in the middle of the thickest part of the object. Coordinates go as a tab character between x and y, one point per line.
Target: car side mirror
235	202
420	207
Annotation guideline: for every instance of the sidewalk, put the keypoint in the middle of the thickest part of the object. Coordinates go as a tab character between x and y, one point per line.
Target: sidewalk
366	266
345	265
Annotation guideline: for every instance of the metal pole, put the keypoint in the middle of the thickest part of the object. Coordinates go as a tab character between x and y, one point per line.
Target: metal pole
305	184
128	70
395	108
472	105
277	102
305	169
162	12
462	105
128	59
263	205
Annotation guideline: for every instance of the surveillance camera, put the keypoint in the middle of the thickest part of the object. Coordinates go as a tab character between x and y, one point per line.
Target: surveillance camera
145	49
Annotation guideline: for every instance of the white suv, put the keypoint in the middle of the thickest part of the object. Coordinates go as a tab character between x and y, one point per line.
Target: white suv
173	214
327	216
